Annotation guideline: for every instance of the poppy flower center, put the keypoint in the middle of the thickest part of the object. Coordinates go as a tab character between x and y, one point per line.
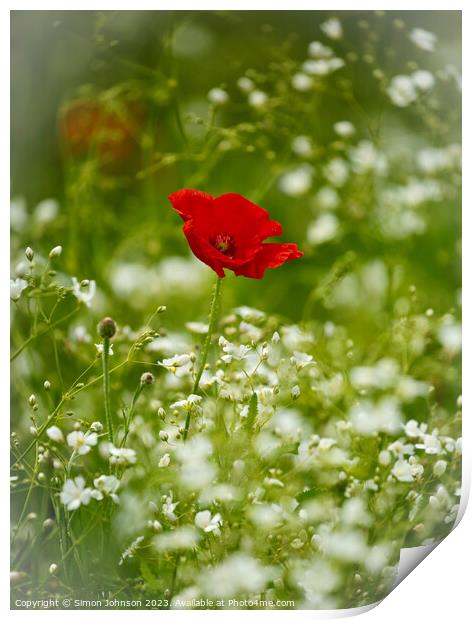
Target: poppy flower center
224	243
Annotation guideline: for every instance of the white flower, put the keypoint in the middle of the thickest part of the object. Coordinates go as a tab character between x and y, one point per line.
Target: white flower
302	82
55	434
332	28
413	429
168	508
74	493
257	99
184	537
191	402
344	129
164	461
323	66
431	444
207	523
336	171
245	84
79	333
17	286
450	336
122	456
402	91
197	327
296	182
323	229
385	458
218	96
106	486
233	351
81	442
177	361
424	80
301	146
99	348
300	360
328	198
318	50
84	294
46	211
423	39
237	573
366	158
439	468
406	471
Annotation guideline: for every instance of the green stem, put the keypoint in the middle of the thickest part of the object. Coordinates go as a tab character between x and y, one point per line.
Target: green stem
106	387
206	346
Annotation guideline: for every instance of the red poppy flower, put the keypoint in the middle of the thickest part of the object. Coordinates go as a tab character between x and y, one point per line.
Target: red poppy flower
228	233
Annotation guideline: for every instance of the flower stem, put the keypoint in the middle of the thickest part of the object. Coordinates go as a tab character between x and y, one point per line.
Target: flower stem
106	387
206	346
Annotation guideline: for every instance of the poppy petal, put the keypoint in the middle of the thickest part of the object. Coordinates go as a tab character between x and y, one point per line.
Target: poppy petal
190	203
271	255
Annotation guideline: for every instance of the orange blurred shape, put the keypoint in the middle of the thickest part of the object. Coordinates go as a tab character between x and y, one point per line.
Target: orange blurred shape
90	127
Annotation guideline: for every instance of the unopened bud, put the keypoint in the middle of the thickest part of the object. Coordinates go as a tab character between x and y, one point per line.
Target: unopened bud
147	378
52	569
32	400
163	436
161	309
47	385
97	427
29	253
56	251
107	327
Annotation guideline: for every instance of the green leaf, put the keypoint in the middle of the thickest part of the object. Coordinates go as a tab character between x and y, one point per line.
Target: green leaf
251	416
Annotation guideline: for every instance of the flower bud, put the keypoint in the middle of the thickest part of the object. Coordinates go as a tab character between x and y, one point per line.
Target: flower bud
52	569
163	436
48	524
107	328
97	427
161	309
29	253
56	251
161	412
47	385
32	400
147	378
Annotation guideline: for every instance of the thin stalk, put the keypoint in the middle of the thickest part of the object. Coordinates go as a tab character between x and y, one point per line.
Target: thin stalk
206	347
106	387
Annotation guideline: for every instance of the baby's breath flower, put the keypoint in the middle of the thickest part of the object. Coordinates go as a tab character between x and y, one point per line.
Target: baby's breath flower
245	84
300	359
99	347
164	461
302	82
55	434
17	286
218	96
423	39
332	28
81	442
257	99
121	456
207	523
74	493
106	486
84	296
